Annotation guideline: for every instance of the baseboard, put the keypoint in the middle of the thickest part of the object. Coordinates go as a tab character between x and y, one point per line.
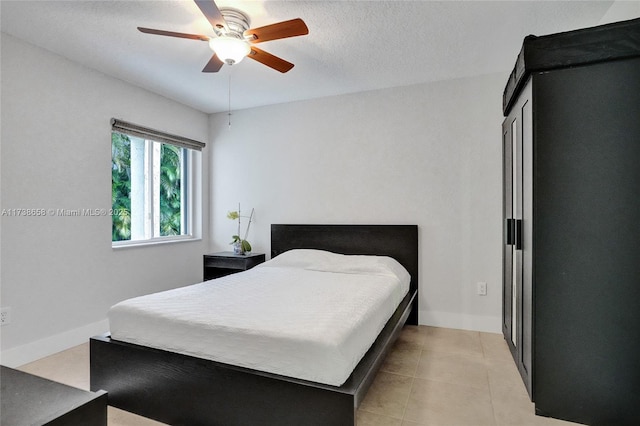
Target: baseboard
488	324
25	354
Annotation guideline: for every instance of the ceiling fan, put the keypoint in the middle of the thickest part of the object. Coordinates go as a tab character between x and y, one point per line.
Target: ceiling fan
234	39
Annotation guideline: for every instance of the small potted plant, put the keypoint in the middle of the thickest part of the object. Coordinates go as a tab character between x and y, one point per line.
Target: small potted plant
240	245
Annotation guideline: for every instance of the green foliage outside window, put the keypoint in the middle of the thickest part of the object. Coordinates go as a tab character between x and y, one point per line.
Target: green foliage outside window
121	187
170	202
170	218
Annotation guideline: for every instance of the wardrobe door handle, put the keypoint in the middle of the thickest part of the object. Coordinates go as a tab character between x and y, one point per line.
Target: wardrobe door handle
509	231
518	233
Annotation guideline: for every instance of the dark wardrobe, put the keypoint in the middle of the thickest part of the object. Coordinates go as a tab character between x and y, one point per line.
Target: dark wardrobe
571	236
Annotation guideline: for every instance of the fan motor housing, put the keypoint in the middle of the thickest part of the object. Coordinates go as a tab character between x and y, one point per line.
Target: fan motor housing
237	22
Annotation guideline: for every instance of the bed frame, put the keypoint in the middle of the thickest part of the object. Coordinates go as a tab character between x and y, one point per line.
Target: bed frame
183	390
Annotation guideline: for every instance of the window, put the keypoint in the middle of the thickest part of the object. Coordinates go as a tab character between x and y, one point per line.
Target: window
151	185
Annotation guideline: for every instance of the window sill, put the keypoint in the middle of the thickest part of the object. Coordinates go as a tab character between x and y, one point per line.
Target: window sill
153	242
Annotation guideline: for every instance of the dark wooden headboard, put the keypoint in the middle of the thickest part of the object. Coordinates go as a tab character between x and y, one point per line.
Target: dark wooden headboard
397	241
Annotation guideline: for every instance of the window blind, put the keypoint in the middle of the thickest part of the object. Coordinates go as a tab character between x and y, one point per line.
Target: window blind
155	135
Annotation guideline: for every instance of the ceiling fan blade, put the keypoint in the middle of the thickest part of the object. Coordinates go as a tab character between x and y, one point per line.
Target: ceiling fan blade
173	34
213	65
269	60
212	13
292	28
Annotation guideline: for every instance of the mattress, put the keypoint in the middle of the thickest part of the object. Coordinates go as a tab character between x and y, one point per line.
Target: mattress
306	314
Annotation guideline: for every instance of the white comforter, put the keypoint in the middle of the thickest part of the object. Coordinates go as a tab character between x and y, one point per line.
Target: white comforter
306	314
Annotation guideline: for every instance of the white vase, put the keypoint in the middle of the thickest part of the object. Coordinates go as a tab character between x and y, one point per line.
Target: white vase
237	247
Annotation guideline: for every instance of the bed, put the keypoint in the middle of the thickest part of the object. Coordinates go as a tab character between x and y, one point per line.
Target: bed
178	388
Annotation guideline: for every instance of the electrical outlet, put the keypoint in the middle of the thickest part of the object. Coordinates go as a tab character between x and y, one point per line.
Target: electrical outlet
5	316
482	289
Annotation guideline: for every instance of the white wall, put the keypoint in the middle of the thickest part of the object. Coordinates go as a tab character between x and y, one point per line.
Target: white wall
427	154
59	274
622	10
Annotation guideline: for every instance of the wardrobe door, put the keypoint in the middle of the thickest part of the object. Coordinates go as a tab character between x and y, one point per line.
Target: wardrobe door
512	218
525	240
508	293
517	206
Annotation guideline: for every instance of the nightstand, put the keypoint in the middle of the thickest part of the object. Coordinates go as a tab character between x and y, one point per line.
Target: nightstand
218	265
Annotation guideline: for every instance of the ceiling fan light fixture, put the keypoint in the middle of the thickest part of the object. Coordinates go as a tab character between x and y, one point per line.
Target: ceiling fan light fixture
230	50
234	39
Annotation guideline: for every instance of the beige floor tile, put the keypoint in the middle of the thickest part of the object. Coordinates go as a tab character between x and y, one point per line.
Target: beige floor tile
495	347
413	335
445	404
70	367
505	380
516	410
452	341
461	369
388	395
365	418
511	403
548	421
403	359
117	417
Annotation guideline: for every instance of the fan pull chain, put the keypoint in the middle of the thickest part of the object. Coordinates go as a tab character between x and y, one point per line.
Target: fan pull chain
229	113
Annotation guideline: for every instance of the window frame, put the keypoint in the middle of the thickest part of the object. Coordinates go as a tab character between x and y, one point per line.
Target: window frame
191	183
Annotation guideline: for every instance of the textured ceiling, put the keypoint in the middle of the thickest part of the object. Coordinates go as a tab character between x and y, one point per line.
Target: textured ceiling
352	46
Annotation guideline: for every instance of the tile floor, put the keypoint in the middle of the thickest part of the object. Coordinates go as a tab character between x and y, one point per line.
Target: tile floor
433	376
